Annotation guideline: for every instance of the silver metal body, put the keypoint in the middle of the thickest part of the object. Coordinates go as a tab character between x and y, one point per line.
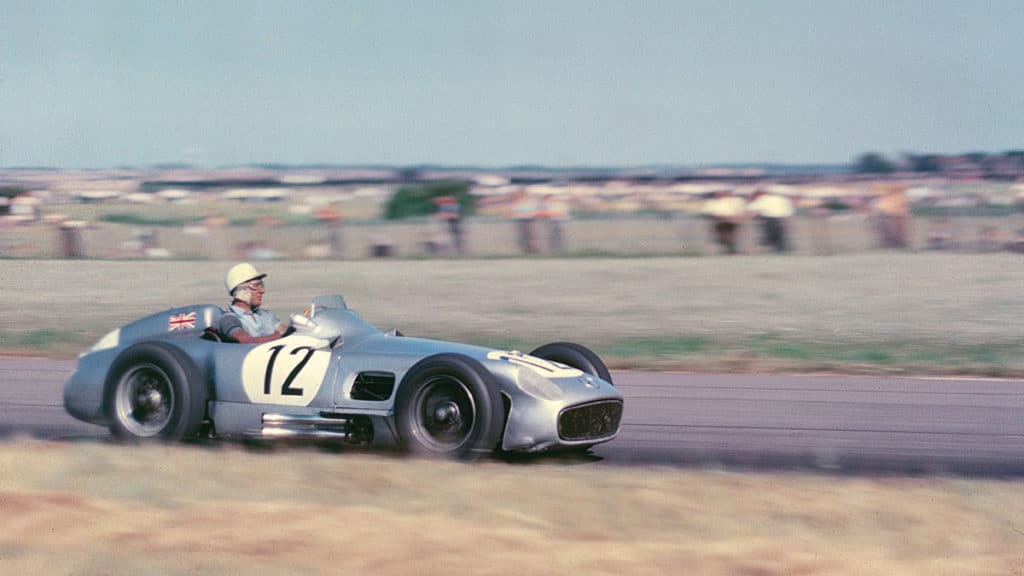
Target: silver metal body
337	376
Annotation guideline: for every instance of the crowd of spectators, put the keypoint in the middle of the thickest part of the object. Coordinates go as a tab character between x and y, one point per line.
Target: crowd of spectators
886	208
542	222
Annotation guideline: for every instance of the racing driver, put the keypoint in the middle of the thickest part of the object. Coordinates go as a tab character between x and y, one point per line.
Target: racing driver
245	321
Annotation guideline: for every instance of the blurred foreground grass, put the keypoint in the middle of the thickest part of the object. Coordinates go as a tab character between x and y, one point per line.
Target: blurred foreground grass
92	509
875	312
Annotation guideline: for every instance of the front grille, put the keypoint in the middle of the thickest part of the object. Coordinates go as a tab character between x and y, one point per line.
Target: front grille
590	421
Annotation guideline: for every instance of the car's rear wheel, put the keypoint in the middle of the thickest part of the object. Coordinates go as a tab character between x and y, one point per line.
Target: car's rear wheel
155	392
447	406
576	356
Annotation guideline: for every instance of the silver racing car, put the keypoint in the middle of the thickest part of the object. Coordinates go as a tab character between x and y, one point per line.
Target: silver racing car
336	377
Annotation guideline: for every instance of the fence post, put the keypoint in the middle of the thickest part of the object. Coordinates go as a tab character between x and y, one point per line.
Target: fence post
71	239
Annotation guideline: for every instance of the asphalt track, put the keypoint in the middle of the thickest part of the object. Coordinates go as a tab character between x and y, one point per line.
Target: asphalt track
842	424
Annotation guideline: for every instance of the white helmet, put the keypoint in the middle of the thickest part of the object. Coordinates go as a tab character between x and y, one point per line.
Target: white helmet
240	274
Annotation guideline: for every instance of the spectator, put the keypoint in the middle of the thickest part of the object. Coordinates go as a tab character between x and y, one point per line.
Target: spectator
555	211
772	212
892	214
72	243
449	210
524	210
726	211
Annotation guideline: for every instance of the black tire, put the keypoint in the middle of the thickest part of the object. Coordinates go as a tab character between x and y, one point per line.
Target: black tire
576	356
448	407
154	391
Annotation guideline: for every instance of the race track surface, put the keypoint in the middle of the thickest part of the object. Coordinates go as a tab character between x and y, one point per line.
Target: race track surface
845	424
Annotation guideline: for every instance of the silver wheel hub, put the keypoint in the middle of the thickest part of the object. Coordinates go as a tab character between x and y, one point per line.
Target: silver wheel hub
445	414
144	400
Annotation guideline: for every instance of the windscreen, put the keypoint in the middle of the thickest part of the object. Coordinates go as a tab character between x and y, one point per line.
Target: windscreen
333	301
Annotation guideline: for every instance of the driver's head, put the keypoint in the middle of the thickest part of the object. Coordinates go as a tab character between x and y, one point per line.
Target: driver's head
245	283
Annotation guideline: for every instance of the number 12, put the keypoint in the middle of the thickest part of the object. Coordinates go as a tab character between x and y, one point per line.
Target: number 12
286	389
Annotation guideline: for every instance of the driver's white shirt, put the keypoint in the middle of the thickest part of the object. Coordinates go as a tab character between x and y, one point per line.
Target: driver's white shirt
261	323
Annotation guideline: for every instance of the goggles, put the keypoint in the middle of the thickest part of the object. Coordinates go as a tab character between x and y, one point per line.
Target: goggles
254	285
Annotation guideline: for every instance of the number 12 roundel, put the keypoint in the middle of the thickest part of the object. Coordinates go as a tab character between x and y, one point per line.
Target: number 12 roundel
288	371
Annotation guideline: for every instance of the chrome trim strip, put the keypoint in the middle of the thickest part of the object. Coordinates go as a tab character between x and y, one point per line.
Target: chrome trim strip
305	434
302	420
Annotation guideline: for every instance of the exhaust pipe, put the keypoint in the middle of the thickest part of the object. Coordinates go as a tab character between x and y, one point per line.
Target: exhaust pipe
305	426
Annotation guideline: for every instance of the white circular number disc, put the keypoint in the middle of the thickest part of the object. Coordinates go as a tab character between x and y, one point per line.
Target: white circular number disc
543	367
287	371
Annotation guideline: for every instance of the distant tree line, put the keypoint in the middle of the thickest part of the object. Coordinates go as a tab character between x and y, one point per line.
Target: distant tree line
875	163
8	192
420	199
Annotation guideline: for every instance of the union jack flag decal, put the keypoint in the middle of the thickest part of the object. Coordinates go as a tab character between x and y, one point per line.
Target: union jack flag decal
181	321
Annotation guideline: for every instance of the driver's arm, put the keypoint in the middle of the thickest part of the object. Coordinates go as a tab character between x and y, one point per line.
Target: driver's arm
231	328
281	329
241	336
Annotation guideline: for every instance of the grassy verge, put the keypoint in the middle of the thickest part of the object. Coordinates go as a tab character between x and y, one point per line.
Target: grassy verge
883	312
764	353
100	509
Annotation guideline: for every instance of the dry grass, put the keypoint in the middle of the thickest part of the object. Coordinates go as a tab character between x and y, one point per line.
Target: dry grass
912	312
100	509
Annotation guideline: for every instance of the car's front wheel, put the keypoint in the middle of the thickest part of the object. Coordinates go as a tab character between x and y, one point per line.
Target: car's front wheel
576	356
447	406
154	391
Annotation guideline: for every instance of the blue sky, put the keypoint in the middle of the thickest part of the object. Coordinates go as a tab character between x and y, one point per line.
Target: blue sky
98	84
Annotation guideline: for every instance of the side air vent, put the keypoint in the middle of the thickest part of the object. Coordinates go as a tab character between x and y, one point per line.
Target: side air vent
373	386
